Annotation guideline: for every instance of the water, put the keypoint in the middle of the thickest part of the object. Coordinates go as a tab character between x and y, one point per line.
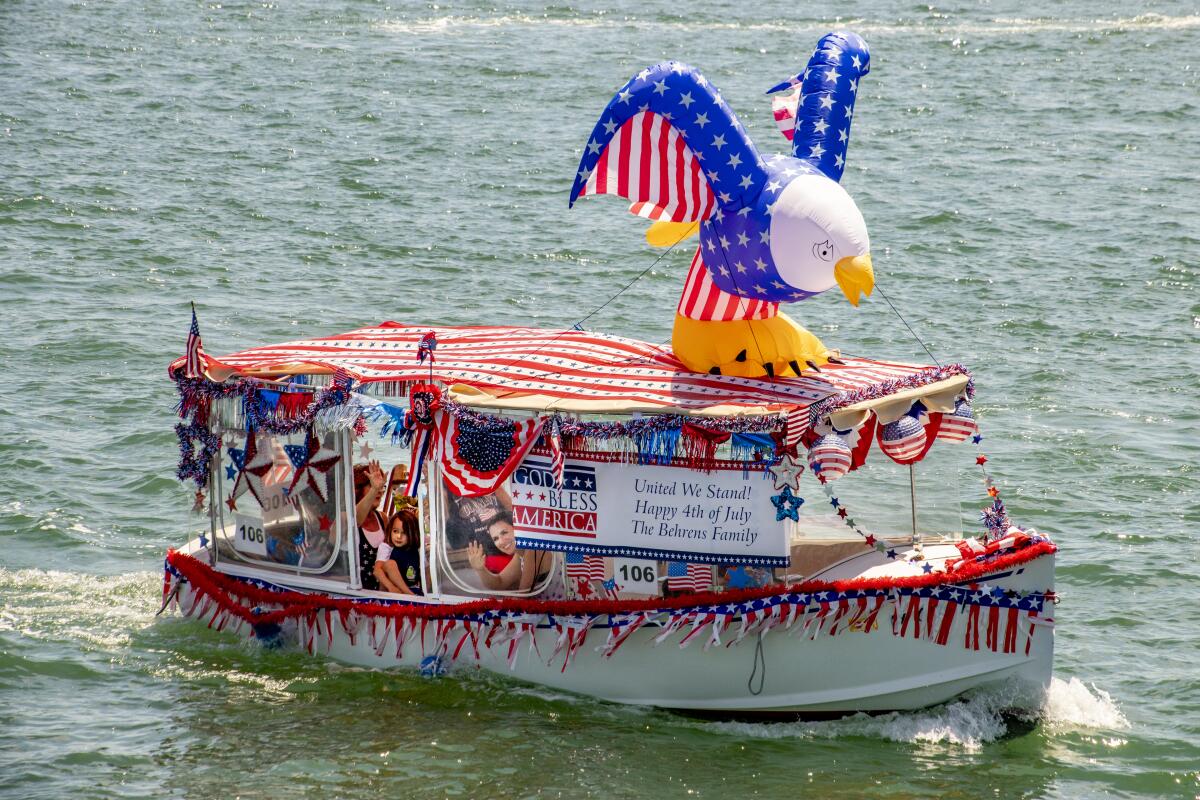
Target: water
1028	178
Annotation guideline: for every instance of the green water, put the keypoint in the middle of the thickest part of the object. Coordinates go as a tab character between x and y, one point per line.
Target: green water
1028	177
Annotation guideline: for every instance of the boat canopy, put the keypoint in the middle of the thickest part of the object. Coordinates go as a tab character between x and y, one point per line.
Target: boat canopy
573	371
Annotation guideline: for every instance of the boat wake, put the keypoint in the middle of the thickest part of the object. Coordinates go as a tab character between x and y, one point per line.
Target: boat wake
968	723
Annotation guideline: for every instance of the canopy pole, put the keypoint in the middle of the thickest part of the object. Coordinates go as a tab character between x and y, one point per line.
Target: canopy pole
912	496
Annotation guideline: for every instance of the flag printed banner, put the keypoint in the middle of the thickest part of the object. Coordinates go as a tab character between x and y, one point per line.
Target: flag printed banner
684	577
669	513
477	460
587	568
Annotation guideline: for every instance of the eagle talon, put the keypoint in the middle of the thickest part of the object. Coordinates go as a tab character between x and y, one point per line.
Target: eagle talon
795	367
740	356
714	371
814	366
769	368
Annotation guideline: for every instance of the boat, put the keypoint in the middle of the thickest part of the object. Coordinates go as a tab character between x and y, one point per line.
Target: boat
663	526
868	624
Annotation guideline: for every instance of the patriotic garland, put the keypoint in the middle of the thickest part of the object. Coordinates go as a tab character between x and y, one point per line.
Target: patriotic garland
922	607
822	409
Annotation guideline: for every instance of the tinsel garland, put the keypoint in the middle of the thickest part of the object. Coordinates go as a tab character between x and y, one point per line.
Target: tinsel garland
877	391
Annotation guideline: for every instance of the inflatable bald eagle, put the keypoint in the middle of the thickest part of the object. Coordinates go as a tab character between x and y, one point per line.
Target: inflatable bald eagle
772	230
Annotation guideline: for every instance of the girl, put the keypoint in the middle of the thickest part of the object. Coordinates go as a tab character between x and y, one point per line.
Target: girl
398	560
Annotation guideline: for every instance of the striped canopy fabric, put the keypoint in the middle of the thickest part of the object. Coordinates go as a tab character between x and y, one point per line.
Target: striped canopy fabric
543	370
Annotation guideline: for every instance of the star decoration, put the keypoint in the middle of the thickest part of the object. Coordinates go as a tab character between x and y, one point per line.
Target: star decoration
870	541
583	588
993	491
841	513
198	505
786	474
927	568
364	452
318	460
787	505
981	460
891	554
231	502
256	466
325	523
976	439
230	472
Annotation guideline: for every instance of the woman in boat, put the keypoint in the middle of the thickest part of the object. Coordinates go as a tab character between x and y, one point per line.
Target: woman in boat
509	568
398	559
368	487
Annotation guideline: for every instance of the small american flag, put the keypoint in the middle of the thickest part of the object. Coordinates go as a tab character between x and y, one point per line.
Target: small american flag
686	577
581	567
797	425
342	378
194	368
426	347
557	463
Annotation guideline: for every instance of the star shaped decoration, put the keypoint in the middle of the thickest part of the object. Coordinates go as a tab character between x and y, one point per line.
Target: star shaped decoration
993	491
976	439
230	472
841	513
981	460
927	568
870	541
318	460
256	465
231	502
787	505
583	588
325	523
786	473
891	554
364	452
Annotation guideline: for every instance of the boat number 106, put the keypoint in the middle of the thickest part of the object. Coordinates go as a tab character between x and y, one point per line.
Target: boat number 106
636	573
252	534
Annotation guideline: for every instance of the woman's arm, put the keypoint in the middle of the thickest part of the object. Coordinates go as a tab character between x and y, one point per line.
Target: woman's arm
490	580
371	499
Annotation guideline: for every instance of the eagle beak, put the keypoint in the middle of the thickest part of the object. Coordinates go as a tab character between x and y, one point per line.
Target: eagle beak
856	276
668	234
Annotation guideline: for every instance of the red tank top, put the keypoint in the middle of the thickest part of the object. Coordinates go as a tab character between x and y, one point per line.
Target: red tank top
496	564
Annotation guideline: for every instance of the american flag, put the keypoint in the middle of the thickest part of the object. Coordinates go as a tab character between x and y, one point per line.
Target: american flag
959	425
798	421
477	460
194	363
830	457
341	377
903	440
587	568
426	347
684	576
557	462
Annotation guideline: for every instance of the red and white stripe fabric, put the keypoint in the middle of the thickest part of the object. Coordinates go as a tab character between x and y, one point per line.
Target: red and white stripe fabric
784	106
467	481
904	440
194	358
958	426
559	366
557	461
702	300
587	568
830	457
689	577
648	163
798	422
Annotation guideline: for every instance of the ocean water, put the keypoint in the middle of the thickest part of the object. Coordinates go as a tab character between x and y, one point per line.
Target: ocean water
1028	176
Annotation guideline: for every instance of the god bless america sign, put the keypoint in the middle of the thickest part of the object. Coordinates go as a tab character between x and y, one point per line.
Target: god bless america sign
643	511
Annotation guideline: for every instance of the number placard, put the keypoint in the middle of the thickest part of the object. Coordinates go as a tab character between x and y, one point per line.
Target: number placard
248	535
636	575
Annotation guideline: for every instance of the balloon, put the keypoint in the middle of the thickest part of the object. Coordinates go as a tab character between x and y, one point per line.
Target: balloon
771	230
904	439
959	425
829	457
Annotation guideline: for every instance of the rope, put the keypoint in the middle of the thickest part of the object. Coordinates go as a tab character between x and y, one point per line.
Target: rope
921	342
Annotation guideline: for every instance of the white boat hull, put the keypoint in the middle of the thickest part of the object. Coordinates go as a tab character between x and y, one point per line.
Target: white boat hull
791	673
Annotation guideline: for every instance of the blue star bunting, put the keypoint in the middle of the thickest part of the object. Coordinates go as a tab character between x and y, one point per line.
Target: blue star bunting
977	438
833	501
238	457
927	568
787	505
891	554
230	472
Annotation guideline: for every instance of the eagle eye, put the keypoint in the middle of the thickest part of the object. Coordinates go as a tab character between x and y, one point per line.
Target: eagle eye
823	250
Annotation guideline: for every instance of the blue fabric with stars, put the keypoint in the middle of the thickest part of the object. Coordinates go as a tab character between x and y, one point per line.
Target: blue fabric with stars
828	87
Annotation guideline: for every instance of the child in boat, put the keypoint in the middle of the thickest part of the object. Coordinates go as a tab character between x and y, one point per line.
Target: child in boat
508	568
398	559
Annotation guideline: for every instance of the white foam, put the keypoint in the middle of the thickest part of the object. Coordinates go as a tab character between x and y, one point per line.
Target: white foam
968	723
1073	704
940	26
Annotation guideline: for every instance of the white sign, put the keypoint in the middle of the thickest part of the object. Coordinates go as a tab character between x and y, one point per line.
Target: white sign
248	536
648	512
636	576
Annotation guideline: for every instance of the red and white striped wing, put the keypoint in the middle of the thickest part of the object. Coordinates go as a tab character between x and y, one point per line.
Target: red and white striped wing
648	163
784	106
